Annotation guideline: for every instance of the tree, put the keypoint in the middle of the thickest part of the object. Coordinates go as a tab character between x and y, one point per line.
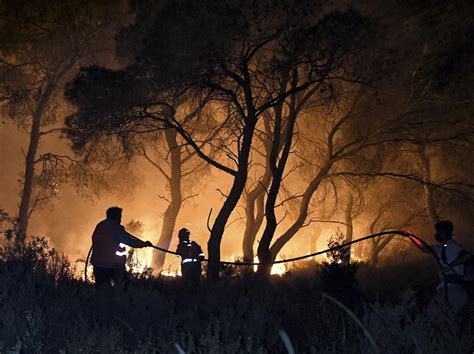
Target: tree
180	171
419	121
397	211
42	44
242	59
256	193
339	144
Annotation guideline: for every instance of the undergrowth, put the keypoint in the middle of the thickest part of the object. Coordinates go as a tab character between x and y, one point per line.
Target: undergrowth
44	308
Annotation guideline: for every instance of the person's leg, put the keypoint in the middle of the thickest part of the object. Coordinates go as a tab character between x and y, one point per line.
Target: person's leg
187	274
451	295
103	277
103	284
121	278
196	274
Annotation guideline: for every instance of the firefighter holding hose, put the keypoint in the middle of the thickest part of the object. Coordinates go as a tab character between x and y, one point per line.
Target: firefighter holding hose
108	249
456	266
191	258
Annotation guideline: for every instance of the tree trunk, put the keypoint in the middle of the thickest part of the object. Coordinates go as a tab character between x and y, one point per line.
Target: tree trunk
428	192
29	173
378	247
254	211
238	185
313	238
277	167
349	227
303	213
255	207
171	213
266	253
374	259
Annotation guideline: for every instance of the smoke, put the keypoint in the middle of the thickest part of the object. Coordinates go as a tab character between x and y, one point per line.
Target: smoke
68	220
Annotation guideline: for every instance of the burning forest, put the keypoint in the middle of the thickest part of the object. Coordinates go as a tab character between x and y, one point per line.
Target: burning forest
236	176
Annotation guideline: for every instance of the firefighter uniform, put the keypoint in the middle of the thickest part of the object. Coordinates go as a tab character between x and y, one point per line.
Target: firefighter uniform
447	253
109	253
457	266
191	257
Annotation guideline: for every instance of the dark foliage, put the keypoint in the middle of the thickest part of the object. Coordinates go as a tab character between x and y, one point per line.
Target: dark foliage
43	308
8	225
107	98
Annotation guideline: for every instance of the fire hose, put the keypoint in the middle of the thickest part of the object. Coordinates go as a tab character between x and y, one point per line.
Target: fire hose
415	239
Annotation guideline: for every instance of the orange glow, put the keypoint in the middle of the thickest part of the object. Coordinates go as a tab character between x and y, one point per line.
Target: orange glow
169	273
277	269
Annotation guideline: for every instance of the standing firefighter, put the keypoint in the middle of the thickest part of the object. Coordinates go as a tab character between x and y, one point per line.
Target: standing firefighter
108	249
191	257
456	263
455	260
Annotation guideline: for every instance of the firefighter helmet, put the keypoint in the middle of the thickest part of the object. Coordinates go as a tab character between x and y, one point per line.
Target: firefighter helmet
183	234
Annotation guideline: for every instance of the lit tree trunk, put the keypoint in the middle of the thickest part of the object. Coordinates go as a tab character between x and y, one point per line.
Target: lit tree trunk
171	213
428	192
29	173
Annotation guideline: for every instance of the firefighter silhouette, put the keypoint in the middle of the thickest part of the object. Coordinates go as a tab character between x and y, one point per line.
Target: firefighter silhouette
108	249
191	257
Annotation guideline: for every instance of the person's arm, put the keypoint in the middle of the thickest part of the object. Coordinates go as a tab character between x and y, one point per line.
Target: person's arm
130	240
418	243
201	253
179	249
462	257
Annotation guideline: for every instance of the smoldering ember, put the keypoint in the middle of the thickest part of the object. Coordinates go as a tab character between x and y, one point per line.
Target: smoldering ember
236	176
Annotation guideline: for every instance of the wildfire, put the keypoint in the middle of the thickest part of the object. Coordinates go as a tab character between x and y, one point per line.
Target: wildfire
170	273
142	260
277	269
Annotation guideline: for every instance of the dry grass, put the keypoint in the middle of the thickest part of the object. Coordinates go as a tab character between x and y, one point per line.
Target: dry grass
43	308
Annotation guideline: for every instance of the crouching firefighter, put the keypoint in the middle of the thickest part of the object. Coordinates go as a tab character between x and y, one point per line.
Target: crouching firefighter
191	258
108	250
